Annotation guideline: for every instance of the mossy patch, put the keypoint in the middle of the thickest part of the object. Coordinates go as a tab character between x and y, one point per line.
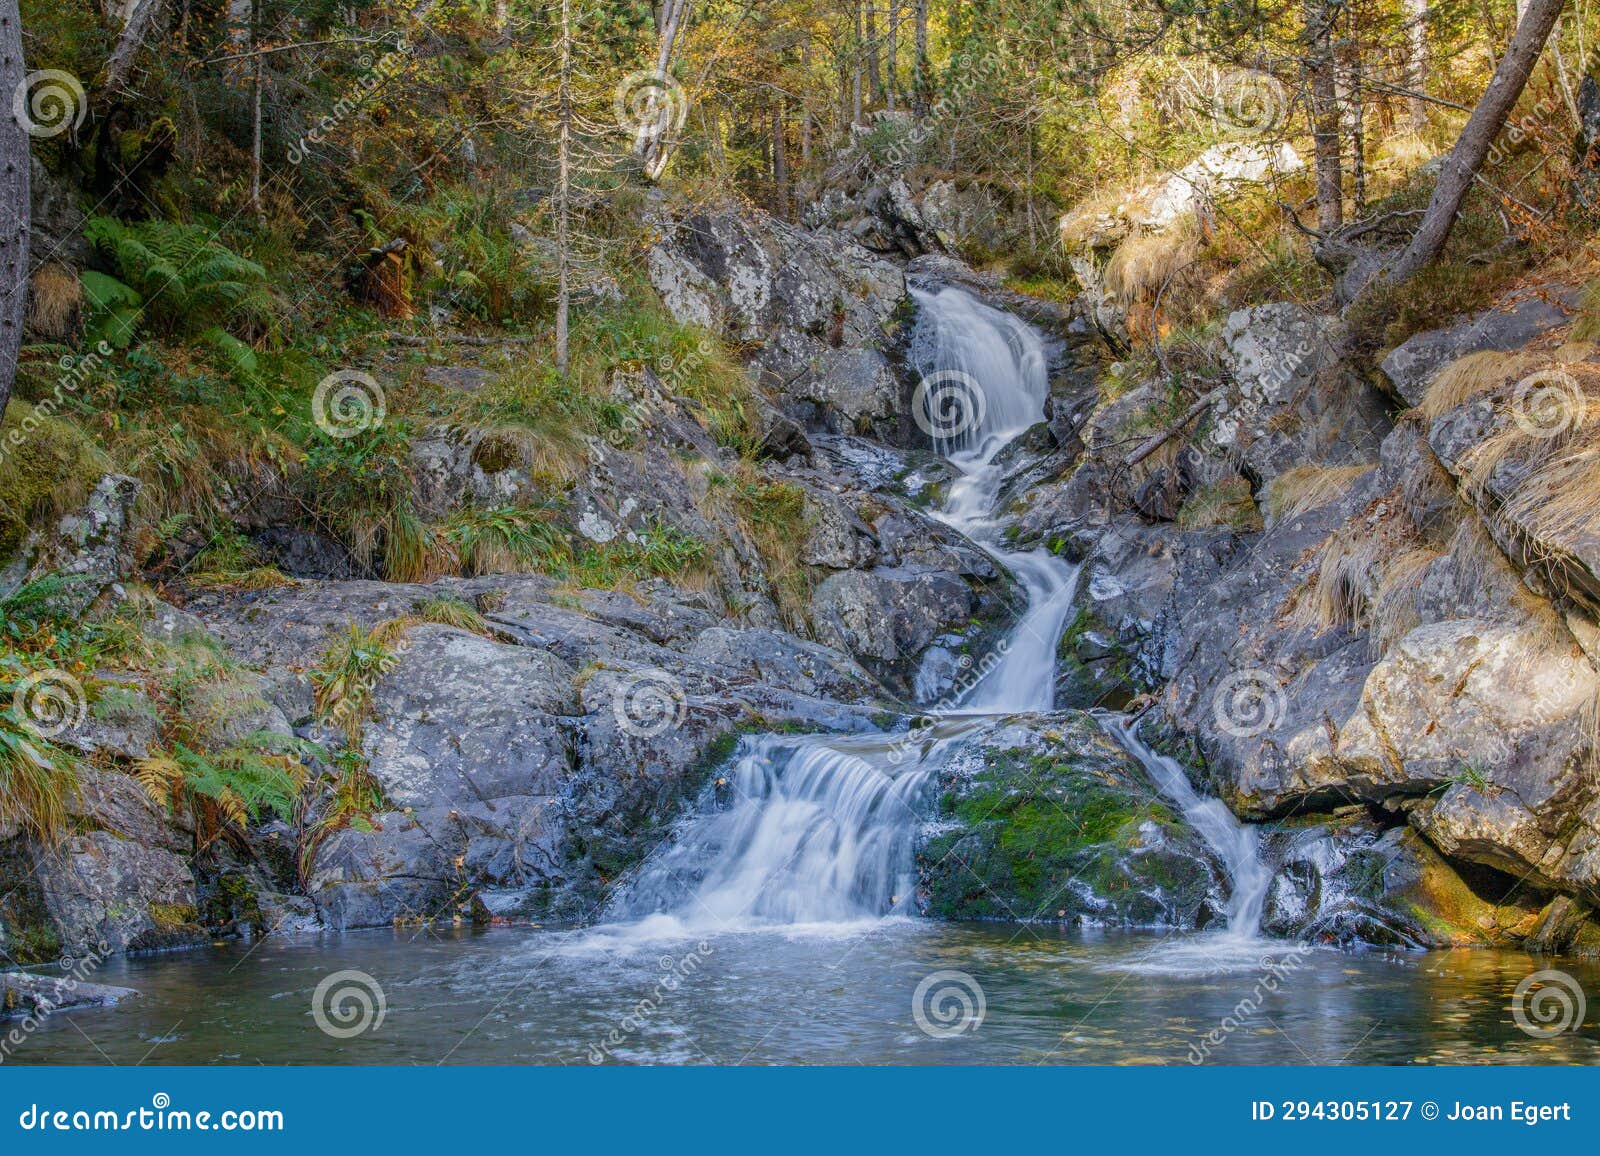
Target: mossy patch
1066	829
47	465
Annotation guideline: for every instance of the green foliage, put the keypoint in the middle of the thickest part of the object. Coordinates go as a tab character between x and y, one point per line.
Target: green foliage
345	676
506	539
259	775
38	779
180	277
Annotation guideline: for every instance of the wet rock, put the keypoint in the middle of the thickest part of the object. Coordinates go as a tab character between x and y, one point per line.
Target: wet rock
1046	818
889	613
24	994
1351	884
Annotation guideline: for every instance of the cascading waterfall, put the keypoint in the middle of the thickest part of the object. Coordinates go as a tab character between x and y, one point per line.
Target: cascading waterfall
820	829
1233	842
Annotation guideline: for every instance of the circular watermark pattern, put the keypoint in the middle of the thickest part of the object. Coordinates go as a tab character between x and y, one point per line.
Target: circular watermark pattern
1249	100
1248	703
1548	1003
1548	404
649	104
948	404
49	102
648	703
160	1101
348	402
947	1004
348	1004
49	703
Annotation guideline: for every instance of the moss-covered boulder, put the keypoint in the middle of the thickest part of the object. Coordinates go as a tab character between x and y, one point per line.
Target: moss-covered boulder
1047	818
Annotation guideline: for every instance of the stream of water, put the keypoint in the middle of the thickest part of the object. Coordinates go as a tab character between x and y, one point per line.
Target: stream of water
777	928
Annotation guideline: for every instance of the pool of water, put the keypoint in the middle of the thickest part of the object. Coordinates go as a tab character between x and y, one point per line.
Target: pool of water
894	991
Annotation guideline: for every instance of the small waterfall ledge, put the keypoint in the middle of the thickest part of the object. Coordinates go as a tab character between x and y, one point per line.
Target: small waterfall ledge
817	830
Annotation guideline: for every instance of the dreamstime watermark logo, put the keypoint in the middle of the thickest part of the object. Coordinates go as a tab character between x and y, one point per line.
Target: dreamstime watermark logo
374	73
968	675
348	1004
348	402
649	104
49	102
49	702
1249	100
1274	970
1548	404
648	703
948	404
674	972
1548	1003
52	995
1248	703
948	1004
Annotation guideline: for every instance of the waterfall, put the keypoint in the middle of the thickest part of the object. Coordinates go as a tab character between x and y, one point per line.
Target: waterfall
1233	842
819	829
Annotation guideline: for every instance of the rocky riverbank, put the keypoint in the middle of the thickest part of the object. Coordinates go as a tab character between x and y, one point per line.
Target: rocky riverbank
1355	614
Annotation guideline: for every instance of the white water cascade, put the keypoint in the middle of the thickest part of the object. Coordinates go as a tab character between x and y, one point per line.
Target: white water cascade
1233	842
820	829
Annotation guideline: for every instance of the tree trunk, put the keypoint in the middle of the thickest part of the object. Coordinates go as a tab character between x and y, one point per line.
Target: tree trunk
1461	166
563	189
651	145
855	72
780	160
120	63
1417	62
1324	106
874	73
921	82
892	56
15	201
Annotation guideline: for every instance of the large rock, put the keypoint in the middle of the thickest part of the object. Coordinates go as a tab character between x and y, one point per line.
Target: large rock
1045	817
1411	365
890	614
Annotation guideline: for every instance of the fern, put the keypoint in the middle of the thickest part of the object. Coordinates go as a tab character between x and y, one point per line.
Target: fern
184	280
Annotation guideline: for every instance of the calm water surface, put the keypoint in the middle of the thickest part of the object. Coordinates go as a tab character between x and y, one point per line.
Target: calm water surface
827	994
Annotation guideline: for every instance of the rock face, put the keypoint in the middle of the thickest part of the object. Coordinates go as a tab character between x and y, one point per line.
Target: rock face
1047	818
118	883
1405	636
1412	364
819	305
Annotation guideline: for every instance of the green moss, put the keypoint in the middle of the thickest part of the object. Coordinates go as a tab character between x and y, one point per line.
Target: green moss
46	465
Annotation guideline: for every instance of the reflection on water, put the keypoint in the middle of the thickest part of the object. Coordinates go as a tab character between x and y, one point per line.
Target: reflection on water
829	993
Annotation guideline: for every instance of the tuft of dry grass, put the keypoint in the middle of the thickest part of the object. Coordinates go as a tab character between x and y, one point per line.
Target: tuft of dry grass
1309	487
55	299
1473	376
1146	261
1394	613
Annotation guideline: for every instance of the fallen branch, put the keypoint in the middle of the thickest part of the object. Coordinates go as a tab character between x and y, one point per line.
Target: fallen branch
1166	435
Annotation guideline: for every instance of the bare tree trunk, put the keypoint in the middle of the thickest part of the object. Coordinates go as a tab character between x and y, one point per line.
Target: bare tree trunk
563	190
255	112
1461	166
15	200
874	74
651	145
805	108
855	72
893	55
1324	105
1356	105
120	63
921	82
780	160
1417	62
